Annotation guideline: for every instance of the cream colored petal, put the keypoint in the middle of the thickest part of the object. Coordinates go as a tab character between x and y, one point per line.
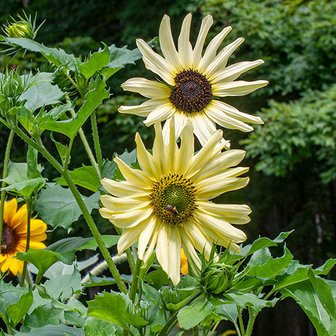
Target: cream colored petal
205	26
174	248
151	245
232	213
167	44
171	148
234	113
204	155
221	240
147	88
219	163
166	131
134	176
180	121
219	63
131	218
162	251
156	63
211	50
186	151
106	213
223	228
219	187
129	237
237	88
145	159
158	148
122	204
203	127
190	251
232	72
145	236
121	188
219	117
143	109
184	45
161	113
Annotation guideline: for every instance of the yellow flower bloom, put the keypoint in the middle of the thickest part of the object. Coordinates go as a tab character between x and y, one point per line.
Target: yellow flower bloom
165	204
14	236
192	82
184	263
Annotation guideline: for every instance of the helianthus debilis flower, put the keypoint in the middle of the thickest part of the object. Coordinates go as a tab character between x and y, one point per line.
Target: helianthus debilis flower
193	81
166	204
14	236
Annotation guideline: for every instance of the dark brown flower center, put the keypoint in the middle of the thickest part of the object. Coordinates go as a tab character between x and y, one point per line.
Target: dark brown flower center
8	239
192	92
173	199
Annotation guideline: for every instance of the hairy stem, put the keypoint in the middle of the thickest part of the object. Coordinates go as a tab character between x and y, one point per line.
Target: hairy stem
135	279
96	142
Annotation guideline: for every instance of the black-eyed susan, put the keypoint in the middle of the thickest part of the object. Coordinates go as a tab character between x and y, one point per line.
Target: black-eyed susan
14	236
193	81
166	204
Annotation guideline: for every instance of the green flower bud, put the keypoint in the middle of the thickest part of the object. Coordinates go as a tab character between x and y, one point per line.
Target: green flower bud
218	278
20	29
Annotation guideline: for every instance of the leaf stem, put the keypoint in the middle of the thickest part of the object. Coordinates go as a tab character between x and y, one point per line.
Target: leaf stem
241	323
135	280
96	142
252	317
4	175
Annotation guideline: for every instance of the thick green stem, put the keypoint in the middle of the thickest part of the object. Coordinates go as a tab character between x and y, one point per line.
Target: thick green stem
135	280
4	175
82	206
173	319
96	142
29	209
241	323
252	317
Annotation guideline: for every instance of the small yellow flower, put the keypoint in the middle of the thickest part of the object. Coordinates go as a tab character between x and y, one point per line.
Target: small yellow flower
166	204
229	332
184	263
14	236
193	81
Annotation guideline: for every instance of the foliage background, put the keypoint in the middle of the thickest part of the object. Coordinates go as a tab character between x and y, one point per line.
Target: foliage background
292	156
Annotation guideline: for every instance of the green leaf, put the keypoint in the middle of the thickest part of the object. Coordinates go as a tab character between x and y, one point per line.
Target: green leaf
18	310
109	241
58	207
96	327
108	169
56	56
106	281
44	315
304	294
227	311
96	61
188	317
52	330
84	176
113	307
130	158
70	127
43	259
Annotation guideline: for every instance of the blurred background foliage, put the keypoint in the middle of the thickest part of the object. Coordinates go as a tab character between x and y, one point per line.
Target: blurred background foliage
292	157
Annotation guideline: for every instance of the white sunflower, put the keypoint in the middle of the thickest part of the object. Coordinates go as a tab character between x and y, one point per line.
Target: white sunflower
193	82
166	204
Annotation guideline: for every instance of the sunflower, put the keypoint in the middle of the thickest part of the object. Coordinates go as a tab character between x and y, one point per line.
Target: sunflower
166	204
14	236
192	82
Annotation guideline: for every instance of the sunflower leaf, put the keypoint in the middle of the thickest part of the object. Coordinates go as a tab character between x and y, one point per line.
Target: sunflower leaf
18	310
97	327
54	330
58	207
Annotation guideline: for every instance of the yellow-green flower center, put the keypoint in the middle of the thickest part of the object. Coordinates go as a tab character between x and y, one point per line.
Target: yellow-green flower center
173	199
8	239
192	92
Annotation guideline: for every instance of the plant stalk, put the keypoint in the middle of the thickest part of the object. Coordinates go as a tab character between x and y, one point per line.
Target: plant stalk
135	280
96	142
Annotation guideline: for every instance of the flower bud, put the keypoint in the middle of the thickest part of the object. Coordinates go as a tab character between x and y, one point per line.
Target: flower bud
218	278
20	29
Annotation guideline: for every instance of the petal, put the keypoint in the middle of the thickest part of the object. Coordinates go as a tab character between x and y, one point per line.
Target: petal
143	109
211	50
174	248
10	209
186	152
121	188
145	236
145	159
156	63
147	88
131	218
37	227
184	45
232	213
20	218
218	116
158	148
180	121
167	44
36	245
219	186
220	61
161	113
172	148
162	251
190	252
205	26
122	204
238	88
232	72
151	245
203	127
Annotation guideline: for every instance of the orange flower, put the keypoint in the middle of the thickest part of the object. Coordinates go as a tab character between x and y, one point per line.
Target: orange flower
184	263
14	236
